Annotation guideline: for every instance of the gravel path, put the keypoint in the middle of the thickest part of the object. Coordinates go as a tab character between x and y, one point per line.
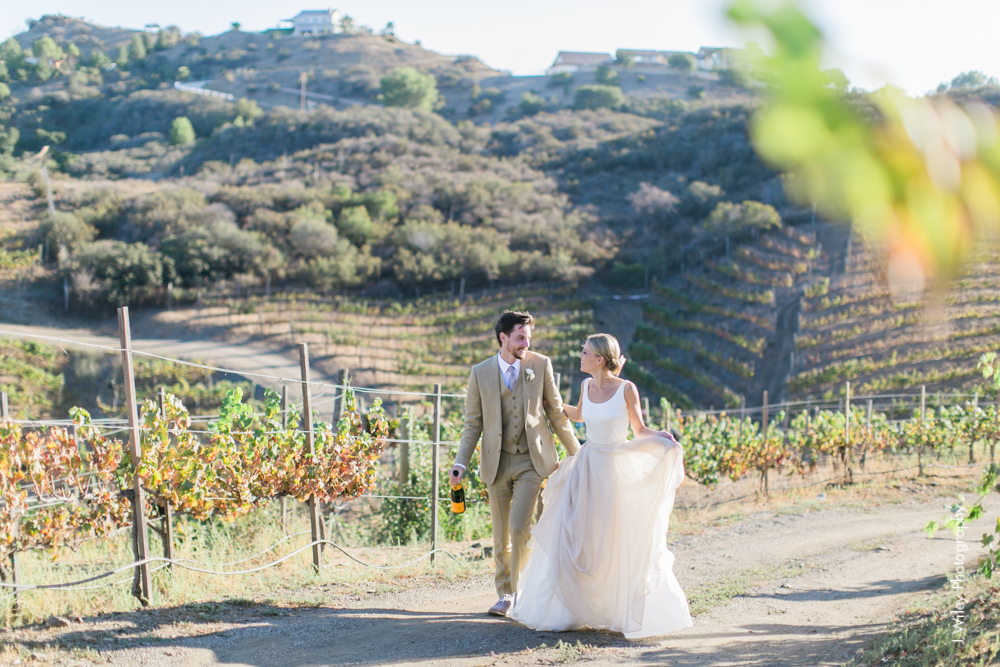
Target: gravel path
244	358
807	587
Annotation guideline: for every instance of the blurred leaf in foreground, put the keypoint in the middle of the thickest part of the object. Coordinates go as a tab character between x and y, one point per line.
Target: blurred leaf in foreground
920	176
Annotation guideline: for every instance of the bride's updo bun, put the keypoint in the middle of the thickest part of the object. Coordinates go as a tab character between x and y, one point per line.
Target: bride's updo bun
606	347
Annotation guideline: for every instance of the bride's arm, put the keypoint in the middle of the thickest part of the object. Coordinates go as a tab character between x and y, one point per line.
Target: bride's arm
575	412
639	428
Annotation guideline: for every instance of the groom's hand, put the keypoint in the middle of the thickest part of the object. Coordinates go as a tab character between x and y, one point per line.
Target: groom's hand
455	476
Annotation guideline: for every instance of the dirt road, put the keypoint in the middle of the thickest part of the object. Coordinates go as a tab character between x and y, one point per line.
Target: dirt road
802	586
244	358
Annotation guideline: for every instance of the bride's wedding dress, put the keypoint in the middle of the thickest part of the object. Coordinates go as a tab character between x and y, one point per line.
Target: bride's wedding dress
599	556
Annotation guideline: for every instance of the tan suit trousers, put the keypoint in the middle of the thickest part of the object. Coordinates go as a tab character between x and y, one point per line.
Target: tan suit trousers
513	495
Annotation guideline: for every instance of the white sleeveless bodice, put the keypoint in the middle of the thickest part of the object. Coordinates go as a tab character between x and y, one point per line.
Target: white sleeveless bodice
607	422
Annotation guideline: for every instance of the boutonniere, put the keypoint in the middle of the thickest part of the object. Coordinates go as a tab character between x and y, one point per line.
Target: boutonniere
530	374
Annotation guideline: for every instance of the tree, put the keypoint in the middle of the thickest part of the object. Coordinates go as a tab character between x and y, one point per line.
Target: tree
838	80
684	62
4	74
43	71
168	38
355	224
624	58
598	97
127	273
45	48
66	229
4	91
8	140
729	219
99	59
137	49
247	109
73	51
347	25
10	52
236	26
183	72
607	76
121	58
971	79
181	131
531	104
409	88
313	237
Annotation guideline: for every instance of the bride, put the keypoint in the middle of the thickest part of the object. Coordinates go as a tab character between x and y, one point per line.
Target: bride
599	557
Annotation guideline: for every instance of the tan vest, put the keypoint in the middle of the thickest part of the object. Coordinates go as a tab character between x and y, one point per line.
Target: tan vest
515	438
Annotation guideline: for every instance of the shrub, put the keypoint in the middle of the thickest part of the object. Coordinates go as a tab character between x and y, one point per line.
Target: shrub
700	199
729	219
181	131
598	97
66	229
684	62
219	250
695	92
530	104
409	88
126	273
4	91
355	224
312	237
735	78
607	76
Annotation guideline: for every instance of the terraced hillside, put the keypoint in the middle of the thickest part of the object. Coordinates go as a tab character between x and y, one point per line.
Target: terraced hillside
721	333
855	330
408	345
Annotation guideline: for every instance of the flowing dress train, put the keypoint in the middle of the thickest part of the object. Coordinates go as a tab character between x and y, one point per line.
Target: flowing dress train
599	557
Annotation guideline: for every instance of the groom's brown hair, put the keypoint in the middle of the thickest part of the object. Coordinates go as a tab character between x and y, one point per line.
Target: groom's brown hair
510	319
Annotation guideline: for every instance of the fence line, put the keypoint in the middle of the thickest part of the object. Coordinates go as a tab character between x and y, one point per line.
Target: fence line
745	410
205	570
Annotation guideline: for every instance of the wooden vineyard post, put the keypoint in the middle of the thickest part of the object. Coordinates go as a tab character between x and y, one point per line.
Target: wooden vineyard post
307	426
923	412
743	415
993	440
8	571
763	472
339	402
645	411
167	512
404	449
140	535
847	432
284	426
435	469
972	441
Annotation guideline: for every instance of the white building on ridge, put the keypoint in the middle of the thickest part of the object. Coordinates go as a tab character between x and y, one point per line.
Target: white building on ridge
317	22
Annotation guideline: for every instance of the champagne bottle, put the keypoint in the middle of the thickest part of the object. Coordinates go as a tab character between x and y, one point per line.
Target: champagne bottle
457	498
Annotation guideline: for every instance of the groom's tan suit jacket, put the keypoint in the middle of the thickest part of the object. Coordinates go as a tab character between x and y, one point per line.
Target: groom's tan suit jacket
483	416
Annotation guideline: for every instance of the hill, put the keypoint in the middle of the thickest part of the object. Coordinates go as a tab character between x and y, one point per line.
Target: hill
351	201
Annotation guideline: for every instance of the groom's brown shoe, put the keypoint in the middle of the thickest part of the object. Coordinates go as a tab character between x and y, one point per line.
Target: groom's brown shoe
502	606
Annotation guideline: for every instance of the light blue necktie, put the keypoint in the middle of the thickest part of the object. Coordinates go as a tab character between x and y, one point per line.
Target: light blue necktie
510	379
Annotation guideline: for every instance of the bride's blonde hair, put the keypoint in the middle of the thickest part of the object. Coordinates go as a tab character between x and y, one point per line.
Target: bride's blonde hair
606	346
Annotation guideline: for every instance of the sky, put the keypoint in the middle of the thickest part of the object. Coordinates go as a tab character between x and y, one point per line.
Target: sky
912	44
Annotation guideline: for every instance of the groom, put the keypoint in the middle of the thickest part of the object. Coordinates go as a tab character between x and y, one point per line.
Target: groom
507	396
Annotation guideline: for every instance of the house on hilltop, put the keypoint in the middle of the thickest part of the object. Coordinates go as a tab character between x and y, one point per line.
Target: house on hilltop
576	61
317	22
712	59
641	57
